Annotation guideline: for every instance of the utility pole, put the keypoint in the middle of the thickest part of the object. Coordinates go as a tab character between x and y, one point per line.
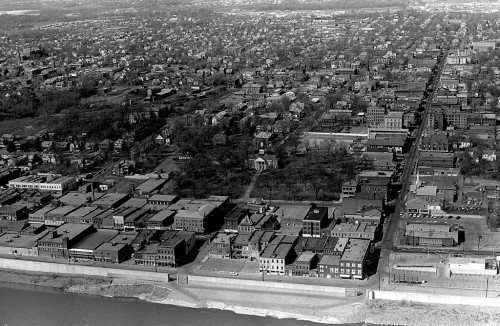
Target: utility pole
389	266
487	287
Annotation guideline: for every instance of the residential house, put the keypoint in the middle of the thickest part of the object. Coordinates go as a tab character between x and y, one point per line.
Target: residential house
106	145
258	242
240	248
349	188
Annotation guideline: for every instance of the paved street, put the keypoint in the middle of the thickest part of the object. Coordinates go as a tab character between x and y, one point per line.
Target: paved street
394	227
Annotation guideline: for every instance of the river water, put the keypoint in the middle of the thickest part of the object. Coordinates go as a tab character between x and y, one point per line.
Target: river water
39	306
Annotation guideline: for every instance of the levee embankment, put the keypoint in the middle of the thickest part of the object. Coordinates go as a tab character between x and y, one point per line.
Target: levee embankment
275	286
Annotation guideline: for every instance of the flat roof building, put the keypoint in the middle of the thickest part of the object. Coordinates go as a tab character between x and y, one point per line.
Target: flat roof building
315	220
56	243
84	249
361	230
110	200
44	183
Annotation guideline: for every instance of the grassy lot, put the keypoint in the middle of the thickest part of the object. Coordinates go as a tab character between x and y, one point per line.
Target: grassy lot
23	127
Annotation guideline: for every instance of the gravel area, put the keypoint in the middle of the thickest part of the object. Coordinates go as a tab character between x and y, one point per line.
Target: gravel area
417	314
53	281
149	292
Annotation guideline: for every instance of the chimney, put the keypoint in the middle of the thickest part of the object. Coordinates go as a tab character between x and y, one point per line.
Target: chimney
53	234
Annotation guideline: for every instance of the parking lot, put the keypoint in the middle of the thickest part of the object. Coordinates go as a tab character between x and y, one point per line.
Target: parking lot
225	266
414	217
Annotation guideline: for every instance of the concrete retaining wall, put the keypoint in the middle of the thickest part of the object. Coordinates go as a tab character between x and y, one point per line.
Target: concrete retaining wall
286	287
72	269
433	298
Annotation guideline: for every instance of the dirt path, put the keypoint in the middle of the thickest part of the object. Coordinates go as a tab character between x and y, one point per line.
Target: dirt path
251	185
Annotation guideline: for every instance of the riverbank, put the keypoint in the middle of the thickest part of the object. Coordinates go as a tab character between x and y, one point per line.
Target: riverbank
313	307
50	280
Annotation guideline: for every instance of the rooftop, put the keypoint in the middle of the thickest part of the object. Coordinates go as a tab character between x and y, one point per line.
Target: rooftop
162	215
292	212
356	250
62	210
95	239
330	260
135	202
20	240
109	199
306	257
165	198
67	230
317	214
81	212
78	198
359	227
150	185
111	246
223	238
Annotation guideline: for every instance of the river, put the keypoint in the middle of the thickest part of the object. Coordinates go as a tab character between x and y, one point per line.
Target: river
33	305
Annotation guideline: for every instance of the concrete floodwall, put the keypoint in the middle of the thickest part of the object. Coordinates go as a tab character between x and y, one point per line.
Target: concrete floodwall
433	298
286	287
73	269
420	269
